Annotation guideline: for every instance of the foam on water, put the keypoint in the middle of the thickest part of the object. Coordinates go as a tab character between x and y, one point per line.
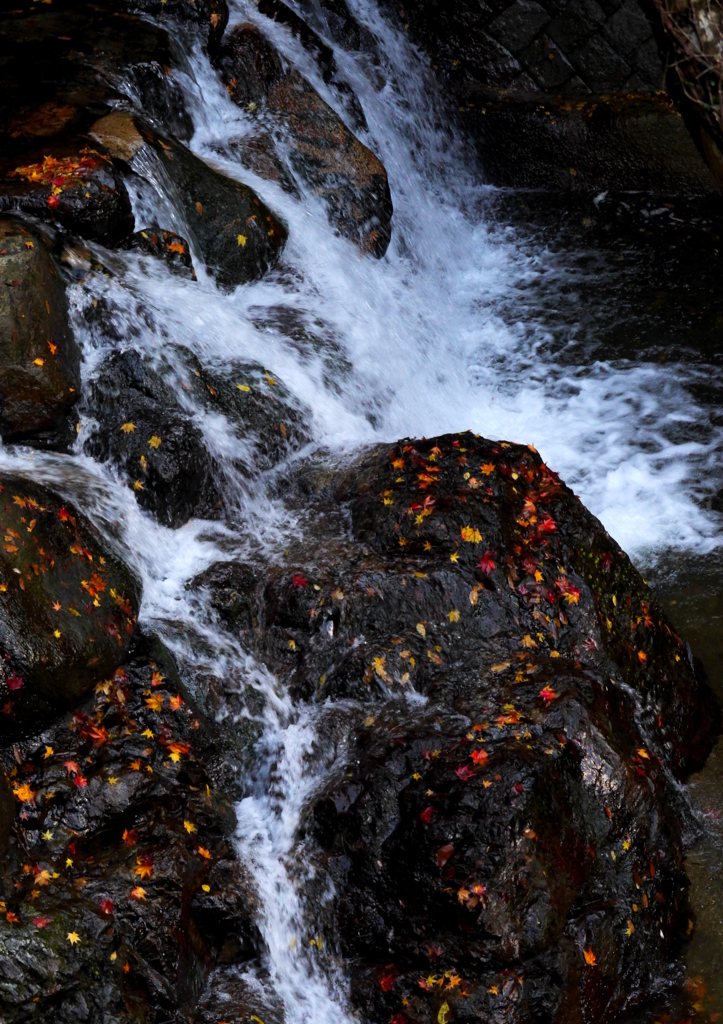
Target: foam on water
440	335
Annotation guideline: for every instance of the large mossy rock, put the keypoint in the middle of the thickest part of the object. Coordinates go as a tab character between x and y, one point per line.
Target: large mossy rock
68	606
503	835
322	151
121	889
238	236
144	433
39	358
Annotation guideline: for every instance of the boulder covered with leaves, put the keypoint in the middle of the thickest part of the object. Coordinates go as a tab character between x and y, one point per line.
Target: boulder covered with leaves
121	888
68	605
504	835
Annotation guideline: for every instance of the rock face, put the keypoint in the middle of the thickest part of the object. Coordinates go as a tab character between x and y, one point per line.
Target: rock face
325	155
505	842
545	90
237	235
159	451
121	886
166	246
39	360
68	607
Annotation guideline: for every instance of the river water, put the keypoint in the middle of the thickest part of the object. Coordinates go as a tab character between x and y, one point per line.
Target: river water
491	312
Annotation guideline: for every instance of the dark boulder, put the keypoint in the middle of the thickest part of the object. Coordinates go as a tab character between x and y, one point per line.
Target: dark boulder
237	235
322	151
39	359
211	15
166	246
503	835
270	423
323	55
67	63
68	606
79	189
121	887
144	433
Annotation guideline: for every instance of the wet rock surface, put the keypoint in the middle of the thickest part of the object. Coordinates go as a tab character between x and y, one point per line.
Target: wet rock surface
166	246
68	606
143	432
322	151
40	360
505	841
121	887
238	236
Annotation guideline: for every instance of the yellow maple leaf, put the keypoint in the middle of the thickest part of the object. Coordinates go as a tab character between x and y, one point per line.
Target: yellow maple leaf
189	827
48	752
155	441
155	701
128	428
241	239
590	958
24	793
73	938
243	387
527	641
138	893
421	629
470	535
142	869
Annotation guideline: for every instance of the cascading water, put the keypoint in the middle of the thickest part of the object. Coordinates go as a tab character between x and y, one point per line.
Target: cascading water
442	334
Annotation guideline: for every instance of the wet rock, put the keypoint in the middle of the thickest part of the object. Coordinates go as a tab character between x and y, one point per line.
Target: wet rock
322	54
68	606
270	423
237	235
121	887
322	151
39	360
212	15
166	246
67	63
152	442
506	805
80	190
230	587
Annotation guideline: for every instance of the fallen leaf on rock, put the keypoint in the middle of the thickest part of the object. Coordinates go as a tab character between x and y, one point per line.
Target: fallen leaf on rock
73	938
106	906
155	441
24	793
42	922
479	756
426	815
138	893
547	694
206	854
189	827
128	428
590	958
175	702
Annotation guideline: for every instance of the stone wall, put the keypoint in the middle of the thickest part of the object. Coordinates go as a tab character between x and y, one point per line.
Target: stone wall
562	95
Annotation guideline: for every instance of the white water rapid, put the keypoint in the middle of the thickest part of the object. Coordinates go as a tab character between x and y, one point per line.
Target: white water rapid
442	334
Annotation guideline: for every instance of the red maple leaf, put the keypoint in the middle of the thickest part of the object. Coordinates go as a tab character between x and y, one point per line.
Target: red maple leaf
299	581
464	773
387	982
426	815
106	906
42	922
486	562
15	681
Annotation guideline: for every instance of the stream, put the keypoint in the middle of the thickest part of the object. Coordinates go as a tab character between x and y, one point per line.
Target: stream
516	316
